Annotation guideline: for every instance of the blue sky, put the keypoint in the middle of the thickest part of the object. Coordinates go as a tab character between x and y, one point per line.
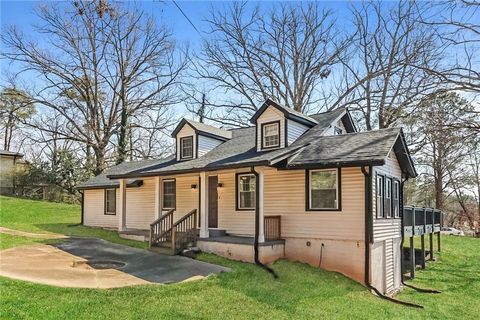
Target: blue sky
21	13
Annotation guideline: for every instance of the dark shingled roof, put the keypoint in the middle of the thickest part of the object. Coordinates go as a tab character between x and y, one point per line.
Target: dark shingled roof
353	149
102	181
203	128
288	112
308	151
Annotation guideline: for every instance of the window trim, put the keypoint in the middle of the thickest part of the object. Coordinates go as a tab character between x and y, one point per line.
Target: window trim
181	147
339	190
387	207
237	194
396	182
377	206
163	193
262	136
337	131
105	192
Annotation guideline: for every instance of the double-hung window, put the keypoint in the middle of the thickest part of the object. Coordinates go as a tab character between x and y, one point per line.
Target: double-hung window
271	135
246	191
186	147
396	199
379	187
110	202
323	191
388	197
169	194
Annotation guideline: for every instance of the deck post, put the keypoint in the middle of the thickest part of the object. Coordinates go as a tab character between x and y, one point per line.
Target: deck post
123	205
422	238
412	258
261	213
158	207
203	206
432	256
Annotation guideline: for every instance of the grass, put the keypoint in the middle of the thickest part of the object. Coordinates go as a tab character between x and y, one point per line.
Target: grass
248	292
49	217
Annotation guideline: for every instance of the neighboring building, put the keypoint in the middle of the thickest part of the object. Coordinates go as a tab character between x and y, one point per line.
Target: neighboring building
9	162
309	188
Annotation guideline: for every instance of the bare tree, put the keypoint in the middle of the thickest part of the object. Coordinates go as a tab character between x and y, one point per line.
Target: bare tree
103	64
15	107
251	56
383	76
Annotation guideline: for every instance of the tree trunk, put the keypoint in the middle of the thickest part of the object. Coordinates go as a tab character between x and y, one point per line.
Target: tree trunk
99	160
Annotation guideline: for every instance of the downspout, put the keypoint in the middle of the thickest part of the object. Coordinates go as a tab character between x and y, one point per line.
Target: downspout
369	237
401	244
82	208
257	225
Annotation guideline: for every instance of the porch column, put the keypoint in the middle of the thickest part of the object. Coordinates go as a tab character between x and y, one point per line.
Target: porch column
122	212
203	206
261	215
157	198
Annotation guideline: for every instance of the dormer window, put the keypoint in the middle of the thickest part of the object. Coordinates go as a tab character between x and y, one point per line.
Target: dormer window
337	131
186	147
271	135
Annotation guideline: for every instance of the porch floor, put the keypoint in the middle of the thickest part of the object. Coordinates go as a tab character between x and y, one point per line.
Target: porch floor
241	240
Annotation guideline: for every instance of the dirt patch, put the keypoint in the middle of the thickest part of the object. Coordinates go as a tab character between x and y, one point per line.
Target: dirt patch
32	235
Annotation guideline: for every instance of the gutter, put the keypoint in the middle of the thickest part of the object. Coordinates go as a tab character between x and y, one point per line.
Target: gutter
369	239
257	225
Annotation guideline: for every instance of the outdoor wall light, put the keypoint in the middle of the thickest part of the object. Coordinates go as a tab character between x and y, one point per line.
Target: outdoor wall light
220	185
193	186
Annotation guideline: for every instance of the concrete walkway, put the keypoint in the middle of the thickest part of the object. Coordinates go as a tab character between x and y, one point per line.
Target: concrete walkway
66	264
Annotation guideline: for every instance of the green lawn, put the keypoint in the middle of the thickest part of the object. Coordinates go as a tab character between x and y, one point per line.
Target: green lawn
49	217
248	292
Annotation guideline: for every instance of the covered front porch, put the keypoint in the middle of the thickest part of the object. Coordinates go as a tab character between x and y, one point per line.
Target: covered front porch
213	222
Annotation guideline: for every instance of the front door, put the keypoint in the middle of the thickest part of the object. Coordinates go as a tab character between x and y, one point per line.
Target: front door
212	202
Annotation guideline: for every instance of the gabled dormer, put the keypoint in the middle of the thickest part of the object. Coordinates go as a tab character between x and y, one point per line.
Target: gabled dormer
336	122
278	126
194	139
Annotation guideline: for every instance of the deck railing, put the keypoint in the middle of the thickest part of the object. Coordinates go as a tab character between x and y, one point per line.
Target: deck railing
161	228
418	222
184	231
272	227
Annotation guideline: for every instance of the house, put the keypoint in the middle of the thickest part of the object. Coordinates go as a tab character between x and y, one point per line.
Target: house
9	162
304	188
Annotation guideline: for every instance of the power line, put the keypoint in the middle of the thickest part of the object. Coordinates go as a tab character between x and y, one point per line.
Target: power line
186	17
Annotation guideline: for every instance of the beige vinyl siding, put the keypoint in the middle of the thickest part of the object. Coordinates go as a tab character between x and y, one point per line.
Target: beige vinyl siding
187	198
186	131
386	228
285	196
270	114
93	210
234	222
140	207
294	130
206	144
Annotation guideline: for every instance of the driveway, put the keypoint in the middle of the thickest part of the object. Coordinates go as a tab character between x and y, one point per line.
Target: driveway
96	263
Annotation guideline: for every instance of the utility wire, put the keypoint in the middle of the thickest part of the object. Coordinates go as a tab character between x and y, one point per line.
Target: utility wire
186	17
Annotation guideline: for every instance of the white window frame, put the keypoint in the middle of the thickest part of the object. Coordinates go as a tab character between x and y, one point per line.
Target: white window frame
396	199
337	131
106	212
388	197
182	140
239	203
379	193
264	136
337	200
